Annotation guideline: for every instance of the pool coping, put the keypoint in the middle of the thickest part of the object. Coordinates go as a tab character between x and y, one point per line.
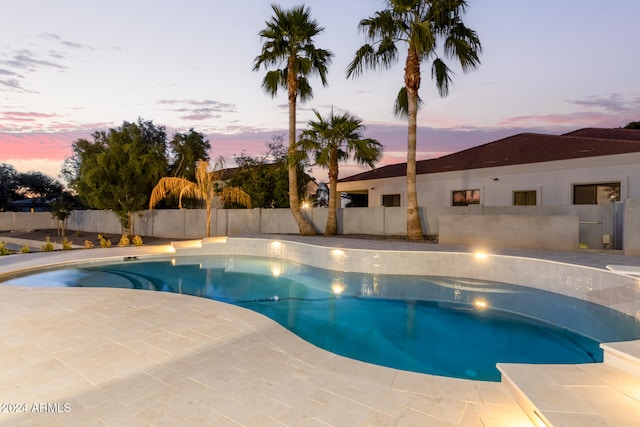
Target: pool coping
420	398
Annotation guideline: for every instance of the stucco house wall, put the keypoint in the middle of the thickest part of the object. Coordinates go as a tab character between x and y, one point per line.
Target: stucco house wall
553	182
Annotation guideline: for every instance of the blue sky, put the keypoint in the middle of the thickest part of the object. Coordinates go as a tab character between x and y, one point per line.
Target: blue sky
68	68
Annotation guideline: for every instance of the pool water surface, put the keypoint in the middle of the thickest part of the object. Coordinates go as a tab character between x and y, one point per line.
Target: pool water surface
457	327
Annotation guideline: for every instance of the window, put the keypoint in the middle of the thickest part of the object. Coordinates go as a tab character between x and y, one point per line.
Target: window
593	194
466	197
524	198
390	200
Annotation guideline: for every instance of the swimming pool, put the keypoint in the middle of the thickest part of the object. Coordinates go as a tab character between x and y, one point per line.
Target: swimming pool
438	325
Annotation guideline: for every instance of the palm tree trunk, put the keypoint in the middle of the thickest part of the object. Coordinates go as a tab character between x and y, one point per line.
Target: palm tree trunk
332	220
306	229
208	234
412	83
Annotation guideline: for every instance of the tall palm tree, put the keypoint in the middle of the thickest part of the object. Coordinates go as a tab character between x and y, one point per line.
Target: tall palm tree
289	48
206	186
423	25
336	138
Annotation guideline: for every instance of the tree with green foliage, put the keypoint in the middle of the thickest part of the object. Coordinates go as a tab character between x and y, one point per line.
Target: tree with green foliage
333	139
184	151
632	125
266	178
422	26
206	187
38	186
289	48
8	185
61	209
119	168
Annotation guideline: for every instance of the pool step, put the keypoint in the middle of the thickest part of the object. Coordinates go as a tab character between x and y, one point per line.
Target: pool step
575	395
195	247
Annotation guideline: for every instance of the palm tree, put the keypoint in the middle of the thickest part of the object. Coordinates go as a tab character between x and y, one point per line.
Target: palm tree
206	187
289	48
422	25
336	138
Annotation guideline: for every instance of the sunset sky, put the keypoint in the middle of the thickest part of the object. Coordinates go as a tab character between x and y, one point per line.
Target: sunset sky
69	68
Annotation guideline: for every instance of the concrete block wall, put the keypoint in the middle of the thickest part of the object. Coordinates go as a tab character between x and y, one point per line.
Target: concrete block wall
631	239
557	232
190	223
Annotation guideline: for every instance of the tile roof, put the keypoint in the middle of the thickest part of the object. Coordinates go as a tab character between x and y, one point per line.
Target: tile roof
520	149
626	134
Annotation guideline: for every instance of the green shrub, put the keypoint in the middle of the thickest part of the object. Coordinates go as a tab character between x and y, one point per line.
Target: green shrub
124	240
137	241
48	246
3	249
104	242
25	249
66	244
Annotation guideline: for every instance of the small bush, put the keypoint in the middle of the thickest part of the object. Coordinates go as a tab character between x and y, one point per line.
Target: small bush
88	244
78	233
25	249
66	244
124	240
104	242
4	250
48	246
137	241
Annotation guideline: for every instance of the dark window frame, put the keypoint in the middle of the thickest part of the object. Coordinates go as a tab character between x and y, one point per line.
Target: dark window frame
595	193
525	198
395	199
465	197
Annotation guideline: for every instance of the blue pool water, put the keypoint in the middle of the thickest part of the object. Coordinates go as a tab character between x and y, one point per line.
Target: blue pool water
438	325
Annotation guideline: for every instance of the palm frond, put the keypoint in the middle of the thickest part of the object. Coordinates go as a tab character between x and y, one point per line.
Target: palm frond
442	75
235	195
401	105
168	186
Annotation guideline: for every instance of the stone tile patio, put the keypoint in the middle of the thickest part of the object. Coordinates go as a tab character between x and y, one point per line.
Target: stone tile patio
118	357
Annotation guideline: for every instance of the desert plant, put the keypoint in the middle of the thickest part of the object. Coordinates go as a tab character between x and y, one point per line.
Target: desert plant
48	245
205	188
3	249
124	240
137	241
66	244
25	249
88	244
104	242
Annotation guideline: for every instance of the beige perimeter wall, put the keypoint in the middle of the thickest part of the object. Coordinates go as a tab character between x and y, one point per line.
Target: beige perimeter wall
509	226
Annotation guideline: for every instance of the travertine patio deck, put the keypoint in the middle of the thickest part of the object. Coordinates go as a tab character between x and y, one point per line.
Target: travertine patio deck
119	357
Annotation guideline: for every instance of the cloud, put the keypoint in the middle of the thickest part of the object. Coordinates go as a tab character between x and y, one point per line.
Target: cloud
198	110
14	85
607	111
21	116
19	61
56	38
4	72
25	59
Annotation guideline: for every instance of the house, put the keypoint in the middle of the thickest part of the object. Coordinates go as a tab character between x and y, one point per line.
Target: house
587	166
528	173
